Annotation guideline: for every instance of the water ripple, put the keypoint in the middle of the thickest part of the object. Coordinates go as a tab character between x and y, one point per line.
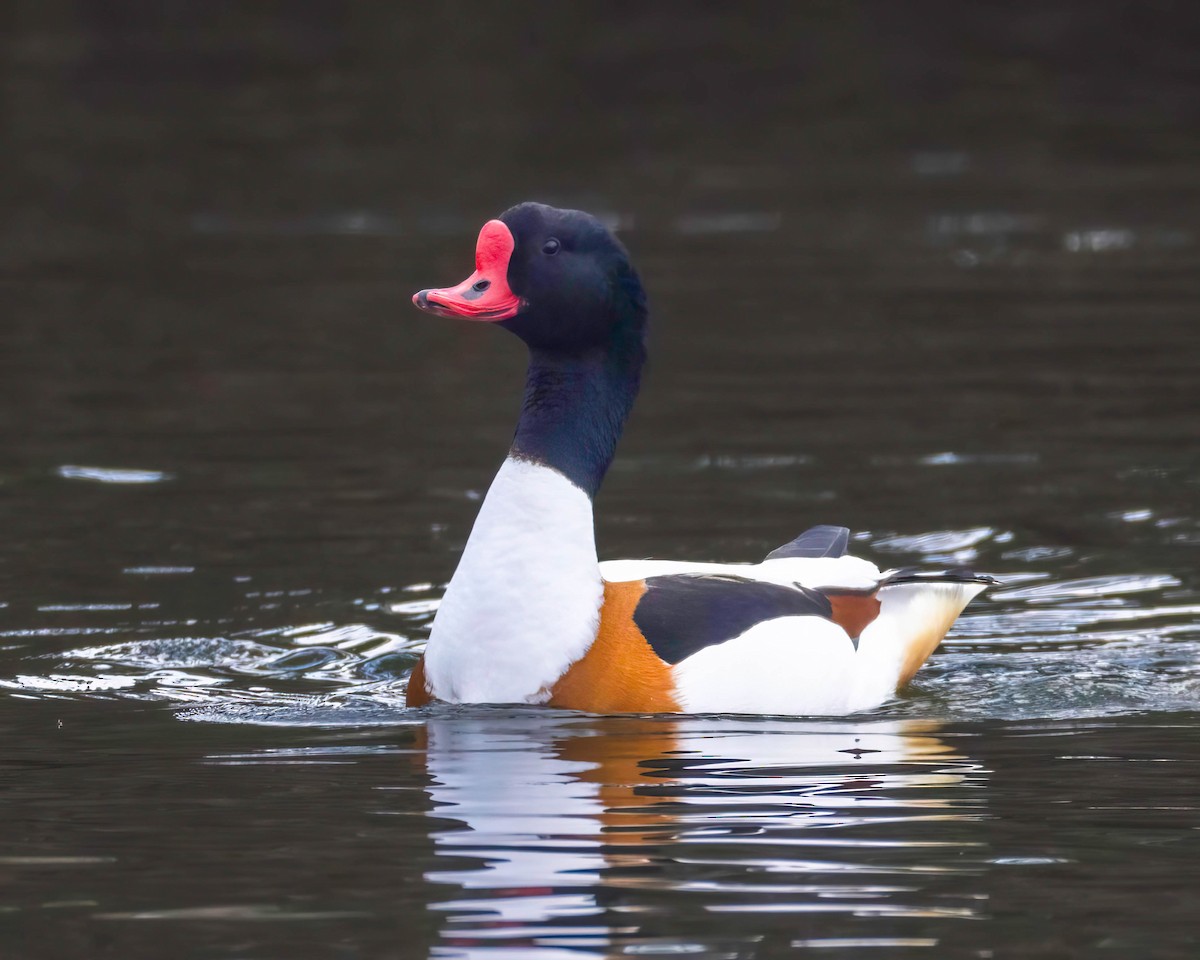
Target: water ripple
941	542
1089	587
1042	645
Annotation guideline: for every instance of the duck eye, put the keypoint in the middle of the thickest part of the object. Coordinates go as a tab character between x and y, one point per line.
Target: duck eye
550	247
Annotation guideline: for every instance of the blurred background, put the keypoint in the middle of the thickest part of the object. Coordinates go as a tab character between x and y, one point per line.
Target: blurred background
866	230
928	270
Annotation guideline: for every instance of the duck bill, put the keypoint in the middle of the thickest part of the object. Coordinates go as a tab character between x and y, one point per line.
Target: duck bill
485	294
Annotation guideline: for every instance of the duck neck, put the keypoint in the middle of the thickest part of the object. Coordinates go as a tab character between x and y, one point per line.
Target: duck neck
575	408
524	603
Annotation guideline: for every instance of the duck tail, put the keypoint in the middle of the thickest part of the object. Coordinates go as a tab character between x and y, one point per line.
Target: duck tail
916	610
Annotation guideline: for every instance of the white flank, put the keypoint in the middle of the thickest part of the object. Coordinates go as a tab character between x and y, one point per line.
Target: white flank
524	603
808	666
787	666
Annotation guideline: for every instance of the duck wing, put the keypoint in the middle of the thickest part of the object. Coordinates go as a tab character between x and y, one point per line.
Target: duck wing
681	614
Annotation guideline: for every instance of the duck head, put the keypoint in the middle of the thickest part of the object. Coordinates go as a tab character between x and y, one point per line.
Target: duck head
558	279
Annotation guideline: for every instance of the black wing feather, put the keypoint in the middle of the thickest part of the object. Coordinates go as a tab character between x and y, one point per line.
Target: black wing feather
683	613
822	541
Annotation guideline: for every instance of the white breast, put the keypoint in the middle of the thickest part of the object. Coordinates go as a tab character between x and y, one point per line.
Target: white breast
524	603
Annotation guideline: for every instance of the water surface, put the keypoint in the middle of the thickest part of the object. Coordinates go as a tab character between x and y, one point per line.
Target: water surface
933	278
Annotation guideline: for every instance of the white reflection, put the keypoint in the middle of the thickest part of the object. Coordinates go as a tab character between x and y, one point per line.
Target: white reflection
1099	241
561	831
111	474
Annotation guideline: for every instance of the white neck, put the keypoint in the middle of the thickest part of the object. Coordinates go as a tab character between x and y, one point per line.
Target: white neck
524	603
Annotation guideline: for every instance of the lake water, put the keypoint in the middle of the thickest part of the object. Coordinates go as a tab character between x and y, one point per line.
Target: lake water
932	277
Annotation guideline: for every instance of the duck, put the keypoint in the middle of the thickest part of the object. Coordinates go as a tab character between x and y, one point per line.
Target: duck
532	616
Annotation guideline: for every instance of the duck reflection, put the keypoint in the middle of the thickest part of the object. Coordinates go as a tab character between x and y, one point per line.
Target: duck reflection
605	836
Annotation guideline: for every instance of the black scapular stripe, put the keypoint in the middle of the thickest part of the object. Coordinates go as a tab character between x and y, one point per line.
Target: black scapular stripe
683	613
822	541
952	575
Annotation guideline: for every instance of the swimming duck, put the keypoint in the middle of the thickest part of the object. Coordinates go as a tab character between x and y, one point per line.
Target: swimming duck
532	616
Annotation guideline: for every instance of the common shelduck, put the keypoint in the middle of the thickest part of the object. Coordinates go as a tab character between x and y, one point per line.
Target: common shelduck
532	616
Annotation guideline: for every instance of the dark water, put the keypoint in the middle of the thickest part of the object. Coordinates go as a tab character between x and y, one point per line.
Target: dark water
926	270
